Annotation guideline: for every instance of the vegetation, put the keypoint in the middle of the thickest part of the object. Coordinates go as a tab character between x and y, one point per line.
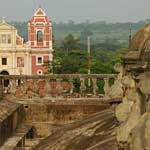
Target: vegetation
99	31
71	57
108	42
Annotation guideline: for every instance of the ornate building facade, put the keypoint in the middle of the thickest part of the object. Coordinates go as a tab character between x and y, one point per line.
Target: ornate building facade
17	57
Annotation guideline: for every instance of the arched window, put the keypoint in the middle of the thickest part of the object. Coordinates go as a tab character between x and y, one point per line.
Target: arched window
39	36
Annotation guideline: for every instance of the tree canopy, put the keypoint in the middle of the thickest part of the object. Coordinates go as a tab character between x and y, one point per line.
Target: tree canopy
72	58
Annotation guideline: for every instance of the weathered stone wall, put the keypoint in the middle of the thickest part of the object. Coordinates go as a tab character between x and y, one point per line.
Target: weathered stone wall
45	117
133	113
10	124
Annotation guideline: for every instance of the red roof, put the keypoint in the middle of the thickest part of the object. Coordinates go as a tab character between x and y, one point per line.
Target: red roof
39	16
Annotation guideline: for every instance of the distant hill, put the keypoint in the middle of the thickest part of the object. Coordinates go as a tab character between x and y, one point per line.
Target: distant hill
99	31
109	41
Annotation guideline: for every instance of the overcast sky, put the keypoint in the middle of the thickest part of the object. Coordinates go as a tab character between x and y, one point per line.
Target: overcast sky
77	10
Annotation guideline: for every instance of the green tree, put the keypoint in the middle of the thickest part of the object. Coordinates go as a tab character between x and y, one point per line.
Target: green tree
70	43
73	62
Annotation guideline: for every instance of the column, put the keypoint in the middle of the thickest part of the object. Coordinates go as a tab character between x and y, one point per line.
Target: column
35	43
44	43
13	63
95	87
82	86
71	86
30	64
106	86
27	63
50	44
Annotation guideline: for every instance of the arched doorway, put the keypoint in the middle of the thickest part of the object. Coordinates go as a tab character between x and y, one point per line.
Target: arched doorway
6	82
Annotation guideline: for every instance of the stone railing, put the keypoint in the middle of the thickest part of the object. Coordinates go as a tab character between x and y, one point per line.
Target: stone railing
56	85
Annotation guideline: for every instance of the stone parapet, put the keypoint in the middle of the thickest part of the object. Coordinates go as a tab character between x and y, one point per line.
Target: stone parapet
56	85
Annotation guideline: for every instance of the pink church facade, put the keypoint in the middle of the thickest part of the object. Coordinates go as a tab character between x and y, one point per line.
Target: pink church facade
27	58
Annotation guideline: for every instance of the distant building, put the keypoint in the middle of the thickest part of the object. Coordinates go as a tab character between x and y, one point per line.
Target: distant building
17	57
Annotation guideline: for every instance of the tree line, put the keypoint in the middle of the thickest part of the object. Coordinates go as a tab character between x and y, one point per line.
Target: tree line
108	42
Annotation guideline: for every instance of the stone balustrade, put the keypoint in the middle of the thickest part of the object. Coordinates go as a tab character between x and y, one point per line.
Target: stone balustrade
56	85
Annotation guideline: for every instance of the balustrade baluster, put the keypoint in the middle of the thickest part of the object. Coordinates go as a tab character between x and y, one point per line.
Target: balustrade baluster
12	86
35	87
95	87
24	86
47	87
106	86
59	86
71	86
82	87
